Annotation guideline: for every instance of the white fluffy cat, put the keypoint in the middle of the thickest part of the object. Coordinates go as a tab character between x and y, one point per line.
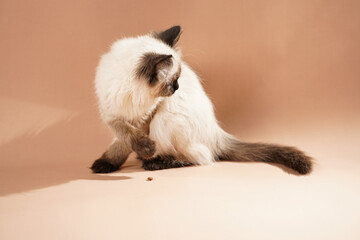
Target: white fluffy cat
156	106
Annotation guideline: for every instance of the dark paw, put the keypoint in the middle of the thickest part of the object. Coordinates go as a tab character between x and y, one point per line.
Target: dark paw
103	166
144	147
159	163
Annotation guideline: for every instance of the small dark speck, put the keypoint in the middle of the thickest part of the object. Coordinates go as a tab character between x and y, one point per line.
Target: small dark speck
149	179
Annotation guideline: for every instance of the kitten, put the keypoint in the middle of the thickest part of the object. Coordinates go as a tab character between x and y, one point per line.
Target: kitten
155	105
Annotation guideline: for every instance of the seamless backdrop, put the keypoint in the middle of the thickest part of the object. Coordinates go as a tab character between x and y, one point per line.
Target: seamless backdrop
277	71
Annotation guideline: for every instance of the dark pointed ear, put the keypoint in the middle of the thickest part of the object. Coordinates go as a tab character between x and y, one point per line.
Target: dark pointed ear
169	36
151	63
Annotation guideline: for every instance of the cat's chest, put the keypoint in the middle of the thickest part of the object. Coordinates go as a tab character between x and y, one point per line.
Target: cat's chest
143	119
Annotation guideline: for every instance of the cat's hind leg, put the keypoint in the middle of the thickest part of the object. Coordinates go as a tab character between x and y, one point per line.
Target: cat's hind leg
198	154
113	158
163	162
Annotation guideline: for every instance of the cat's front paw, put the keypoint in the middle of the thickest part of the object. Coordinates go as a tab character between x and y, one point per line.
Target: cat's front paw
144	147
103	165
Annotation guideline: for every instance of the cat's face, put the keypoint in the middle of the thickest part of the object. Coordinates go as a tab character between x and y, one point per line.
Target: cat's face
160	73
158	70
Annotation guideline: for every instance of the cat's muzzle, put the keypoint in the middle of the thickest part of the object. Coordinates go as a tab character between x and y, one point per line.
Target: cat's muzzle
174	86
169	89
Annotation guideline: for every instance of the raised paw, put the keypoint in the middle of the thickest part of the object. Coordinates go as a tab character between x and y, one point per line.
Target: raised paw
102	165
144	147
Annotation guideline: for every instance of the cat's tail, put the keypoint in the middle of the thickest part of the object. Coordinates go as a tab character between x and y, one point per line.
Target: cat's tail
291	157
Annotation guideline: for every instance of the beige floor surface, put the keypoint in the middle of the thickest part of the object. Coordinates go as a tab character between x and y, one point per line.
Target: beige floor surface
226	201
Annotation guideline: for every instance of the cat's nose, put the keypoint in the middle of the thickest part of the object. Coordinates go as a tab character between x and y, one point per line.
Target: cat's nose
175	85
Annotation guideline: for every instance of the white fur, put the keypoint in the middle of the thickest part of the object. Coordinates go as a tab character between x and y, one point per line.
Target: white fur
184	125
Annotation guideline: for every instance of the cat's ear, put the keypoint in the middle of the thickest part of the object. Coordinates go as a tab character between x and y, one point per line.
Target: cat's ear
151	64
170	36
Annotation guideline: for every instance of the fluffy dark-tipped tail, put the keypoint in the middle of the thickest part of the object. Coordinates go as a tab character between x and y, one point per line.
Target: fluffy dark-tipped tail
290	157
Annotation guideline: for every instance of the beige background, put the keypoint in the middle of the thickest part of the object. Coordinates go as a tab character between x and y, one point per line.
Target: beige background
277	71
